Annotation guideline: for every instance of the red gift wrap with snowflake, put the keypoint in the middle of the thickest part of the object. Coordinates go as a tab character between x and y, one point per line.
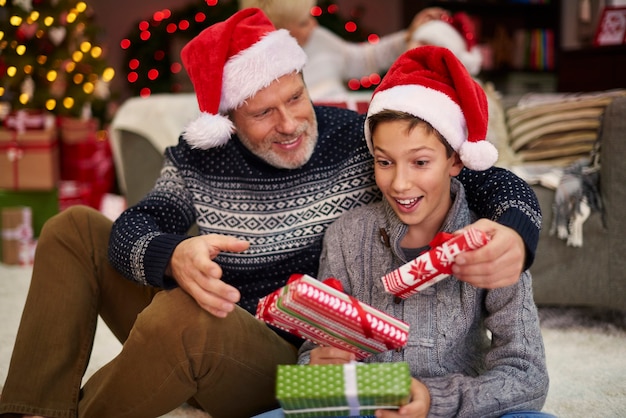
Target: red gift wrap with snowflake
434	265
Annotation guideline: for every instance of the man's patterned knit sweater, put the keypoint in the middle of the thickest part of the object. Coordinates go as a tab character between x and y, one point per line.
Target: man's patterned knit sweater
282	213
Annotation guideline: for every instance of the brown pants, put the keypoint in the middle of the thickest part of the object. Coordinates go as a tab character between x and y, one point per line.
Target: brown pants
173	351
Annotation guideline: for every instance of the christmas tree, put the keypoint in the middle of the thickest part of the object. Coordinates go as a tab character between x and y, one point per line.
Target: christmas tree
50	59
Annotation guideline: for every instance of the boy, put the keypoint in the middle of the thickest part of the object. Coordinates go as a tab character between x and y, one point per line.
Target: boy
427	120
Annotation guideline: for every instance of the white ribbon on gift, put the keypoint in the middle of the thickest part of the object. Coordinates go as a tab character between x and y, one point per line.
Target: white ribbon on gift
351	388
22	121
18	122
22	232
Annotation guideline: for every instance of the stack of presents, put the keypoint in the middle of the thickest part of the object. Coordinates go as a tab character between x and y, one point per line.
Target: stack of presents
319	311
47	163
322	313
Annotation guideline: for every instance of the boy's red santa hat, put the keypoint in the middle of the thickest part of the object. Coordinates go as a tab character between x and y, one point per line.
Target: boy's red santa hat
228	63
457	33
429	82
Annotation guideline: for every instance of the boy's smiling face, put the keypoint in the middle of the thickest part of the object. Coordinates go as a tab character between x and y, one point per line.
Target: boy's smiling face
413	172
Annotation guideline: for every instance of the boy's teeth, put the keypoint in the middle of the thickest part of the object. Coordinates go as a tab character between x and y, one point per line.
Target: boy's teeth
406	201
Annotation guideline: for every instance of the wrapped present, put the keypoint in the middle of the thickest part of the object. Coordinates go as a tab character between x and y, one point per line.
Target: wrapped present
29	119
89	162
74	130
434	265
73	193
352	389
86	159
17	234
43	204
29	159
325	315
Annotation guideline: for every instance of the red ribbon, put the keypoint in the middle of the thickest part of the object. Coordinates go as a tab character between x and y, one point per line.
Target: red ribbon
439	263
439	239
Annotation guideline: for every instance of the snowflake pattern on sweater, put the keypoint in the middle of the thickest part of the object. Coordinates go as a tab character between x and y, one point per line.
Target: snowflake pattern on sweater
283	213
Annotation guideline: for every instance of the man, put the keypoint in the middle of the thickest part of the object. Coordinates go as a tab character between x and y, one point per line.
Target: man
262	173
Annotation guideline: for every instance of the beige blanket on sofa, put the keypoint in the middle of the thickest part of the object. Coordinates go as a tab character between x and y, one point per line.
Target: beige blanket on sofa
159	118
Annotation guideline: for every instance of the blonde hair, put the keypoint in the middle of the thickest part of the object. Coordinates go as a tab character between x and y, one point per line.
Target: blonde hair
281	12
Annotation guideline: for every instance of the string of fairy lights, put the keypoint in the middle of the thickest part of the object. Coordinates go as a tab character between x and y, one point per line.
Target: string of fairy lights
49	59
152	62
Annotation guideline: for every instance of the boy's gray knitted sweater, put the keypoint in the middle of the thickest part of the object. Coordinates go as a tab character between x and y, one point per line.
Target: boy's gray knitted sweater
467	374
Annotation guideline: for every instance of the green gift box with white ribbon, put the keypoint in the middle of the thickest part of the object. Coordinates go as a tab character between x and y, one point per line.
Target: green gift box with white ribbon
342	390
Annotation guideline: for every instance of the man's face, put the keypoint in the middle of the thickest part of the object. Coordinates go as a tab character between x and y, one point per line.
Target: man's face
278	123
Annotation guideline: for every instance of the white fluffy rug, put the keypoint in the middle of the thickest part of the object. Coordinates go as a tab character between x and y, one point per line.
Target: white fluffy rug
586	355
585	349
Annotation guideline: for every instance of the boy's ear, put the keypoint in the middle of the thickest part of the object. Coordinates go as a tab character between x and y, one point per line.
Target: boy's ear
457	164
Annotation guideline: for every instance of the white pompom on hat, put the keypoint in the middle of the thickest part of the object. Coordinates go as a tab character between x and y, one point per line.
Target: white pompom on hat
456	33
429	82
228	63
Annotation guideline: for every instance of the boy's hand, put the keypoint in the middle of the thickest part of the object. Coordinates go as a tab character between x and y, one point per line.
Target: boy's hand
330	355
417	408
497	264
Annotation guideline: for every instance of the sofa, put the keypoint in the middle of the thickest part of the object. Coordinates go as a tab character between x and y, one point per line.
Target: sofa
593	275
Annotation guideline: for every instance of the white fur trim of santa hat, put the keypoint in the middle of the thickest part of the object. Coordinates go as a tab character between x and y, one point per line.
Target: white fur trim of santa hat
433	106
230	62
255	68
429	82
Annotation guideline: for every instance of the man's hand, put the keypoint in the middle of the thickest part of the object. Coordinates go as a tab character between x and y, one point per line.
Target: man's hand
417	408
330	355
498	264
194	270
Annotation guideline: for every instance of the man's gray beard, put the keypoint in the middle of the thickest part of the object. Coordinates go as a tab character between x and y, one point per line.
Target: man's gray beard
276	160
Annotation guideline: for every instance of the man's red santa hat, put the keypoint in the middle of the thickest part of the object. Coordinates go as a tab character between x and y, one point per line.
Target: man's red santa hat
431	83
228	63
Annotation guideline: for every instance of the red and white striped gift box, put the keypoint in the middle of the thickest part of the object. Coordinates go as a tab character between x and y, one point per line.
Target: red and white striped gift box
319	312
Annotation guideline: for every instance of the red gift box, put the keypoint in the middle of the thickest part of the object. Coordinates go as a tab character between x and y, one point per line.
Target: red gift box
89	162
85	160
434	265
319	312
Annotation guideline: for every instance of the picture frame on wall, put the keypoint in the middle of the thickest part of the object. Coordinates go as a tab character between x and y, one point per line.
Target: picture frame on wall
611	28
